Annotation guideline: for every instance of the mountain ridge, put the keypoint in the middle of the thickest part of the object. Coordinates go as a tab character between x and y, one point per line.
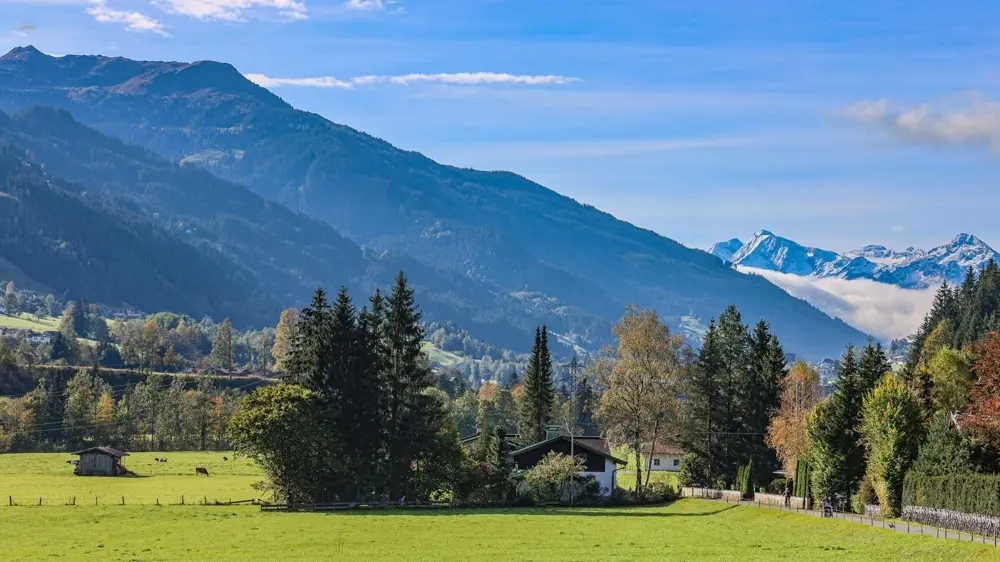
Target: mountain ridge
912	268
574	266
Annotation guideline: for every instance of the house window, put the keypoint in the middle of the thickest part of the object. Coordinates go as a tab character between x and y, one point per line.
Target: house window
656	462
677	462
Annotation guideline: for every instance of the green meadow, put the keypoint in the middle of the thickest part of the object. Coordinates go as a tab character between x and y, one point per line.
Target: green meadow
684	530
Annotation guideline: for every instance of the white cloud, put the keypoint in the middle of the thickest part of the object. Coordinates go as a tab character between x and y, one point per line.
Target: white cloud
134	21
234	10
883	310
463	78
364	5
975	121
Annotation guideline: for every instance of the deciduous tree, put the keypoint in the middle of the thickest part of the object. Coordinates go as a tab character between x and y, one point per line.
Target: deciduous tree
801	391
892	430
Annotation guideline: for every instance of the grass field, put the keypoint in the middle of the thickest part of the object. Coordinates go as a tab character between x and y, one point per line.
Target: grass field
28	322
27	477
685	530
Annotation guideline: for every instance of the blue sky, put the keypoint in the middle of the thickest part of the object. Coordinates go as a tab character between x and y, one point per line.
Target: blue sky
836	124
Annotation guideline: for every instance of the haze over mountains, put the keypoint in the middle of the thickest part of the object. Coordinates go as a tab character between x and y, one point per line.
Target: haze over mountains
883	291
491	251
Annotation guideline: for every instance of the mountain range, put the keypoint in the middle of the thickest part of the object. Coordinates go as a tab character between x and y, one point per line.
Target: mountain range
911	268
280	200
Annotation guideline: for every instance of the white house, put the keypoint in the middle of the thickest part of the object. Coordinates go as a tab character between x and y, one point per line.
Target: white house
594	451
665	458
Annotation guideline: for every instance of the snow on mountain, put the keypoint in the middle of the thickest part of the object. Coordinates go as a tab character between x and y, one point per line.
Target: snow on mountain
725	250
911	268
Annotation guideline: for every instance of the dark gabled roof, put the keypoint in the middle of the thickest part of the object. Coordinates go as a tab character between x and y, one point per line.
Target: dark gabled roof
474	436
102	451
596	445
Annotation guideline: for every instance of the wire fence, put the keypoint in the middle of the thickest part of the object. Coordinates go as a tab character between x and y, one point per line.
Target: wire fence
124	500
931	522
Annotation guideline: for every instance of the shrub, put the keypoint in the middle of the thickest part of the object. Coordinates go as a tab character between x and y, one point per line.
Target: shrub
777	486
658	492
549	479
694	471
744	480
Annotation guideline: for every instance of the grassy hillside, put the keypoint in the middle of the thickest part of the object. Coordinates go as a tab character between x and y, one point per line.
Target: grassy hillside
29	322
687	530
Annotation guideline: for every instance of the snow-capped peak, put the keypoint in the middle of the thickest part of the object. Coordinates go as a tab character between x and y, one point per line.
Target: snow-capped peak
725	250
910	268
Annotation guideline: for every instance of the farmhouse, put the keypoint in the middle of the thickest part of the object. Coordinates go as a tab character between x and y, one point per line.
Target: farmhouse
594	451
100	461
665	458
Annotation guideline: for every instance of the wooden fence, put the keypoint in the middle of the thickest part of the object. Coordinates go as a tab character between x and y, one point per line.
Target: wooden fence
711	493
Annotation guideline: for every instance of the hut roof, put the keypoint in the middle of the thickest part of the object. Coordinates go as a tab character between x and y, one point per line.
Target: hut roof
102	451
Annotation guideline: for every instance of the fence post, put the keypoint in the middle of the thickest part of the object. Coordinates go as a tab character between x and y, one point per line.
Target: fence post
182	500
10	500
39	501
74	500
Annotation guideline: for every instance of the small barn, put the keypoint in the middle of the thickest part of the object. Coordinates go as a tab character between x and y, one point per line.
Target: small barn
100	461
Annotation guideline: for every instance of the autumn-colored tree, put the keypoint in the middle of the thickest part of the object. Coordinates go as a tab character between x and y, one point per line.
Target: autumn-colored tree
284	337
800	393
984	411
640	380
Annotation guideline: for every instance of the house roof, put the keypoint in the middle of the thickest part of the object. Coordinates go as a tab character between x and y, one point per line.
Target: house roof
472	438
596	445
665	449
102	451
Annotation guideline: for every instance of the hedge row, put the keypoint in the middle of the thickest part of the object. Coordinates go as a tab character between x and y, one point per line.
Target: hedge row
801	482
967	493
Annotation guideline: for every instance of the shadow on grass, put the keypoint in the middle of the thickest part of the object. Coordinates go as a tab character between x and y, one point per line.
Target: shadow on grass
599	511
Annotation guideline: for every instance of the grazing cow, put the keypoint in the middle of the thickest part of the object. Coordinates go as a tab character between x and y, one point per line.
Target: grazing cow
225	458
69	462
157	459
200	470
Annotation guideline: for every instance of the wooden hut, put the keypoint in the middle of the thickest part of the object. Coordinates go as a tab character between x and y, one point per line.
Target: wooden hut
100	461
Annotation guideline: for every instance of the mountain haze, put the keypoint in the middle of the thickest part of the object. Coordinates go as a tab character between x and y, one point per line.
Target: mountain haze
503	247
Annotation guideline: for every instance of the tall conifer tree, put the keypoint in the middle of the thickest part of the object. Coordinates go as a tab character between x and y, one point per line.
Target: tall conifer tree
539	392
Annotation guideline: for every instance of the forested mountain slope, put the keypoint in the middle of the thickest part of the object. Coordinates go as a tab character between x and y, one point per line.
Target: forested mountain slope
281	254
61	242
547	255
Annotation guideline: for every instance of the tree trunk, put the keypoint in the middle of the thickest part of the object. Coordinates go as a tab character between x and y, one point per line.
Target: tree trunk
638	469
652	447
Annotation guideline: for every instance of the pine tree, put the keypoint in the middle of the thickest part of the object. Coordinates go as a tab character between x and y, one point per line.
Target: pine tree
874	365
539	393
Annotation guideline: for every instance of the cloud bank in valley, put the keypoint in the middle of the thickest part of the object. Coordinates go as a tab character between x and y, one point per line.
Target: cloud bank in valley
883	310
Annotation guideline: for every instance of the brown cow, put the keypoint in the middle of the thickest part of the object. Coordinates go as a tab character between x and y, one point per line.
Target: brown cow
200	470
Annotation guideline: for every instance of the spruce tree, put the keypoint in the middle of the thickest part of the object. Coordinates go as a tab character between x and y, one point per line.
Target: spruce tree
704	421
761	397
735	354
582	401
309	358
539	393
409	415
836	450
